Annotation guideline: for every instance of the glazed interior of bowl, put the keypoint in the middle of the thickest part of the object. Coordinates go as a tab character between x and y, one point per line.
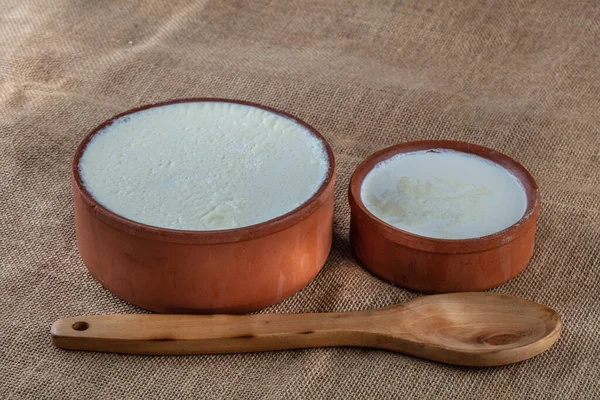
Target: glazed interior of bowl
278	222
493	239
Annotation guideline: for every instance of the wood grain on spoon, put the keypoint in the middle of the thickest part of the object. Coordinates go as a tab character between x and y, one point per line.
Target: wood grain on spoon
474	329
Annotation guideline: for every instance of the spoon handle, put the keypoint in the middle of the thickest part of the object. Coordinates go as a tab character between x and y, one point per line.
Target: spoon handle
162	334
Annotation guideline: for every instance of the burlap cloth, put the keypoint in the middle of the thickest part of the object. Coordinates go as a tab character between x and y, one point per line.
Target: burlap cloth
520	77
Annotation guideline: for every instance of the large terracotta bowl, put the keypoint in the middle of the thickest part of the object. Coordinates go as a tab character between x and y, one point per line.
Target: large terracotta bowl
442	265
175	271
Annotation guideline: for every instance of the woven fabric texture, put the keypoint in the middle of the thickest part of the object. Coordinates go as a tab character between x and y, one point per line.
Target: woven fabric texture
521	77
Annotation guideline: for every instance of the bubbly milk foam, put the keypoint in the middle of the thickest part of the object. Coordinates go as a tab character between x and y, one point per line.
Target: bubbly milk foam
444	194
203	166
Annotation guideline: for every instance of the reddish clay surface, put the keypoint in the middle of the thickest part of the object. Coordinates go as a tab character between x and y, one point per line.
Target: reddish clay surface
234	271
439	265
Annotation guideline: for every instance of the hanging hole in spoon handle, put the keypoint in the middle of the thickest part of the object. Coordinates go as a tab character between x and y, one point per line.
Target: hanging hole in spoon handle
80	326
471	329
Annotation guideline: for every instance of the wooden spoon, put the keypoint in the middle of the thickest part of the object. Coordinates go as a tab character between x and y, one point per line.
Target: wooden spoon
477	329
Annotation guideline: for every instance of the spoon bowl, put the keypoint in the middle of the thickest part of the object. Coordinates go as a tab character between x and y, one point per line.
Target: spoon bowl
476	328
472	329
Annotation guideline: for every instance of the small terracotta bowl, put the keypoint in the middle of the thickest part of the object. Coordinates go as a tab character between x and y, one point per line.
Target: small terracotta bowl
176	271
442	265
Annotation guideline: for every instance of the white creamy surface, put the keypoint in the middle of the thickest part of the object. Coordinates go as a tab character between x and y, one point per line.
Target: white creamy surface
203	166
444	194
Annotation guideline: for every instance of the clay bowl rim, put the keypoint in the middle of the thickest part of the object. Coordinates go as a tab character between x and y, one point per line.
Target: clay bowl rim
209	236
448	246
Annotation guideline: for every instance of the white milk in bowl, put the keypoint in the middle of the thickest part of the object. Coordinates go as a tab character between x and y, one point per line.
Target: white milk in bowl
444	194
203	165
